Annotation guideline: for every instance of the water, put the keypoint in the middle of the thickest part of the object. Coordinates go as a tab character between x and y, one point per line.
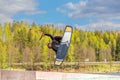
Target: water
82	79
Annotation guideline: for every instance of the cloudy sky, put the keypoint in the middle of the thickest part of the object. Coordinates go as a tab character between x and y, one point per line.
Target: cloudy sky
84	14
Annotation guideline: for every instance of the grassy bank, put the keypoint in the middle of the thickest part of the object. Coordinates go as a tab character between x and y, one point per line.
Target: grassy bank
78	67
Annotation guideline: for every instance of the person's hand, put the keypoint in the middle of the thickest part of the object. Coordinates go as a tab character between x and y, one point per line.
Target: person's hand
43	34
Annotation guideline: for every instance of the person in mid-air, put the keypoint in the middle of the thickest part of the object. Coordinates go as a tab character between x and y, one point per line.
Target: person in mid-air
55	42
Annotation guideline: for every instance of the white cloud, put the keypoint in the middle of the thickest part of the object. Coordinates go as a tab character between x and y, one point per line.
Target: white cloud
8	8
92	8
73	6
100	26
4	18
35	12
57	25
60	10
104	12
70	6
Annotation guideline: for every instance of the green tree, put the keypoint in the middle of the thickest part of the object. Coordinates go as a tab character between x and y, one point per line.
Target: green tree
91	54
13	55
70	55
118	48
7	32
1	31
3	56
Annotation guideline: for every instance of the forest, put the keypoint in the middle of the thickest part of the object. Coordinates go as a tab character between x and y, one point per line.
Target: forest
19	43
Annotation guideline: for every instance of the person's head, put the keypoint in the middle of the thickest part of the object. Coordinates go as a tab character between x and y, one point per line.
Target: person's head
50	45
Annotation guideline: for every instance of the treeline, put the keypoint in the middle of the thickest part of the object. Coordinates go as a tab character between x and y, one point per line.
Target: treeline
19	43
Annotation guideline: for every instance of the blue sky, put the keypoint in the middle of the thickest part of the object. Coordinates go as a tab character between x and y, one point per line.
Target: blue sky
84	14
51	15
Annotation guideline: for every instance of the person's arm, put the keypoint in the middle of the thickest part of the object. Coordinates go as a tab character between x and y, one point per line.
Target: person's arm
49	35
58	38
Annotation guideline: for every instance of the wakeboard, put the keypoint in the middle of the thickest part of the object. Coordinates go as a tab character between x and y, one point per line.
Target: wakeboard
64	45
